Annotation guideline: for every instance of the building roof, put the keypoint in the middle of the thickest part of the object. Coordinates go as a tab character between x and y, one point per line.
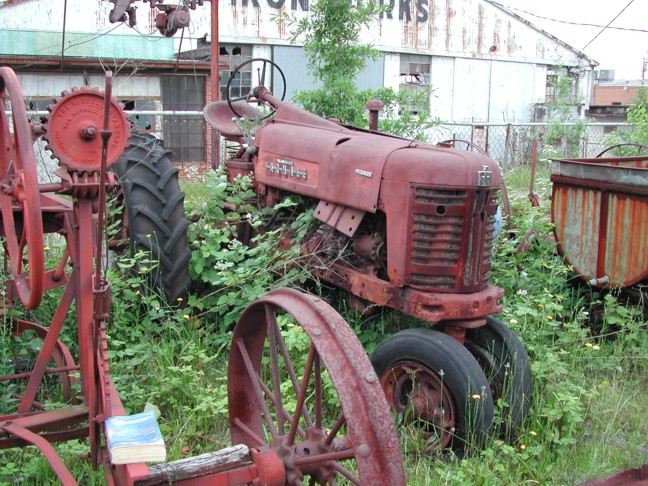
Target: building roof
631	83
578	53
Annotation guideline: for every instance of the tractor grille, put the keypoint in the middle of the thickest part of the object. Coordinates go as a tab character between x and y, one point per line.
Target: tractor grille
451	240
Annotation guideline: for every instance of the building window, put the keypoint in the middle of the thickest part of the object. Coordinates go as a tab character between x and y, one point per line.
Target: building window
561	86
183	135
552	83
234	55
415	82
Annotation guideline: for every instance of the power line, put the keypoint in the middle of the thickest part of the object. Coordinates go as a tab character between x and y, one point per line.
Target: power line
616	17
579	24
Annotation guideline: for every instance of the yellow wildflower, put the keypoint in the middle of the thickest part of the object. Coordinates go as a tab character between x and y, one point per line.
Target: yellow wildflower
476	396
513	321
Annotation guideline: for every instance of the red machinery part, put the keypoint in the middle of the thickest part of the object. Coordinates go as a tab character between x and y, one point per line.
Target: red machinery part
22	222
315	434
73	129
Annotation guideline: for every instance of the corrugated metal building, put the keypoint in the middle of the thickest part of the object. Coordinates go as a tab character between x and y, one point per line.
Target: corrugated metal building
483	62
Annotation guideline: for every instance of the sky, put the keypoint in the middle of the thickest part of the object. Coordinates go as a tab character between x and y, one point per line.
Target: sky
620	50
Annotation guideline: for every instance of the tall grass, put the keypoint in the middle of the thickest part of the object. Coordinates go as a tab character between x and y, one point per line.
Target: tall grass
589	355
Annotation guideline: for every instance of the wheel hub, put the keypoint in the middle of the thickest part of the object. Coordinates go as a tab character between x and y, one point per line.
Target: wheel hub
420	398
295	457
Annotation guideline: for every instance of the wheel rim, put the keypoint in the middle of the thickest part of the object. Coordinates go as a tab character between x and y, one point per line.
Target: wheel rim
20	193
354	439
419	396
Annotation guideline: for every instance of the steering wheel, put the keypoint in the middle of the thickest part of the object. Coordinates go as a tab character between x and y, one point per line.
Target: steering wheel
252	95
22	220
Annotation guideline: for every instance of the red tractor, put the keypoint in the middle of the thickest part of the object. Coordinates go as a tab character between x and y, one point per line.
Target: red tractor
404	225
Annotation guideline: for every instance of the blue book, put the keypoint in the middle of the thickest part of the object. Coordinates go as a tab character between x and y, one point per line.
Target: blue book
134	438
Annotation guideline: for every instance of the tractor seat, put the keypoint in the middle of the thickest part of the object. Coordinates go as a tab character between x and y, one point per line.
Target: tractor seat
219	116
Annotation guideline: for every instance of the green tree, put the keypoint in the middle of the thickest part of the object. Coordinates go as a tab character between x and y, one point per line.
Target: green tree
638	116
565	132
331	38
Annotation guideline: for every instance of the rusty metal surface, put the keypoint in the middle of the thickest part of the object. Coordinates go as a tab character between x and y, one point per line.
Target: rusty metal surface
429	306
630	477
19	196
46	448
314	447
600	213
73	129
337	164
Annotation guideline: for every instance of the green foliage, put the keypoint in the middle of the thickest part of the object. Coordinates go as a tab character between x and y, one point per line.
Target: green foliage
588	353
565	131
331	40
637	116
234	274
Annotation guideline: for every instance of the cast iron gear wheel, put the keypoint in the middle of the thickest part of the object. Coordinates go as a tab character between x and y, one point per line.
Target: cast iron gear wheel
73	129
155	218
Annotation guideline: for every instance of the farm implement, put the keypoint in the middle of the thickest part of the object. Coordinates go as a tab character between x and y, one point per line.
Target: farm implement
279	436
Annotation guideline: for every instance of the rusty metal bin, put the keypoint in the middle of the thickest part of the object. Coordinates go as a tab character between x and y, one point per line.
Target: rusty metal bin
600	215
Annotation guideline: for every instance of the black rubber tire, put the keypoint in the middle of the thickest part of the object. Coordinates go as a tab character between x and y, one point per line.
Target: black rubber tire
156	221
451	363
505	362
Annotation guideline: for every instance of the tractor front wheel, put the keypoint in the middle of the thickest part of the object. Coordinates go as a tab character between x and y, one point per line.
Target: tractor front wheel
505	362
433	382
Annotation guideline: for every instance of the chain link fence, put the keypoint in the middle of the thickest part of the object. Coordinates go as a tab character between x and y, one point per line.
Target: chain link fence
510	144
514	143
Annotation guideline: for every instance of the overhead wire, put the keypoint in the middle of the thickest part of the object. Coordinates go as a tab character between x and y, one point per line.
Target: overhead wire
579	24
603	29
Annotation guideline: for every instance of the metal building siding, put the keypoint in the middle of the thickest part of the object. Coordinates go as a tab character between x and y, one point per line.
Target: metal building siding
292	61
464	28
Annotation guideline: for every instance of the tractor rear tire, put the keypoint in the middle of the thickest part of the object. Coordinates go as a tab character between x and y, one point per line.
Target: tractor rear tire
155	218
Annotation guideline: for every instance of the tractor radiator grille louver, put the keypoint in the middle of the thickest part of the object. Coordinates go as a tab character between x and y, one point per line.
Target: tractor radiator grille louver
452	238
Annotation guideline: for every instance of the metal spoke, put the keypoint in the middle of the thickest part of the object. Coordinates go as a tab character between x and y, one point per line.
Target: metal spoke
301	396
328	456
335	429
272	326
249	432
239	98
291	371
318	392
255	383
285	414
346	473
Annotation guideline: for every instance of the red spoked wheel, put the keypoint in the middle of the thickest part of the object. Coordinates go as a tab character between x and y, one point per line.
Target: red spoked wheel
22	220
300	384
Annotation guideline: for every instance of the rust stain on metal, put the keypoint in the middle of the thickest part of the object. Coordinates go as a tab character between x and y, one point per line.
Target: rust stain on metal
450	14
480	29
600	212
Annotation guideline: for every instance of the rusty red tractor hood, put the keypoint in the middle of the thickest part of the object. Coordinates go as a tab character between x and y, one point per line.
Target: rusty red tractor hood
420	219
414	183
